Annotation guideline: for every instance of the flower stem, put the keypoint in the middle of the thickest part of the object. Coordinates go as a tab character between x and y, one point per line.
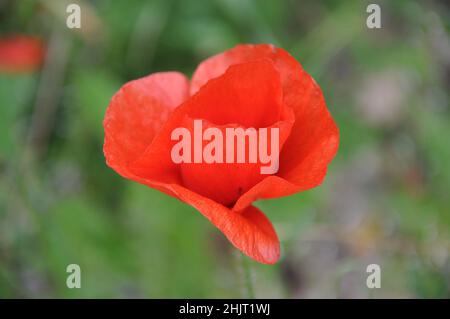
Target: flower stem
247	276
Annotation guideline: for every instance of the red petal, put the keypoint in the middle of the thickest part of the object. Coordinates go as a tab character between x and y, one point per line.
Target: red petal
221	182
249	95
249	231
135	115
21	53
314	138
218	64
311	146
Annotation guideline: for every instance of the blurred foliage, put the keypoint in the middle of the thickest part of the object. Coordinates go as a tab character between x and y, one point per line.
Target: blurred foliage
385	200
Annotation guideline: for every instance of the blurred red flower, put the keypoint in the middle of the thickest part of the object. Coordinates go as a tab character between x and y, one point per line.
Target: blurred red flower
21	53
249	85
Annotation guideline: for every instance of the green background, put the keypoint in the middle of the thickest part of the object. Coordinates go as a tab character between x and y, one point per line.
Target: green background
385	199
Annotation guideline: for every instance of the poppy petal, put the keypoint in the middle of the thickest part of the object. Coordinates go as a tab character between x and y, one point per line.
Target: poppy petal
217	65
312	144
247	94
314	138
221	182
250	231
136	113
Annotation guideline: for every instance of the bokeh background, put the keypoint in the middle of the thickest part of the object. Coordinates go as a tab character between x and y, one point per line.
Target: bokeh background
385	200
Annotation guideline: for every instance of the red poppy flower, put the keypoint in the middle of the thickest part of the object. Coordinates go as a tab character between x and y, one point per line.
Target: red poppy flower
21	53
247	86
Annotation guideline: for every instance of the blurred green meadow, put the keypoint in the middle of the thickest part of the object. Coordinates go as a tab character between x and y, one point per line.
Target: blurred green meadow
385	200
